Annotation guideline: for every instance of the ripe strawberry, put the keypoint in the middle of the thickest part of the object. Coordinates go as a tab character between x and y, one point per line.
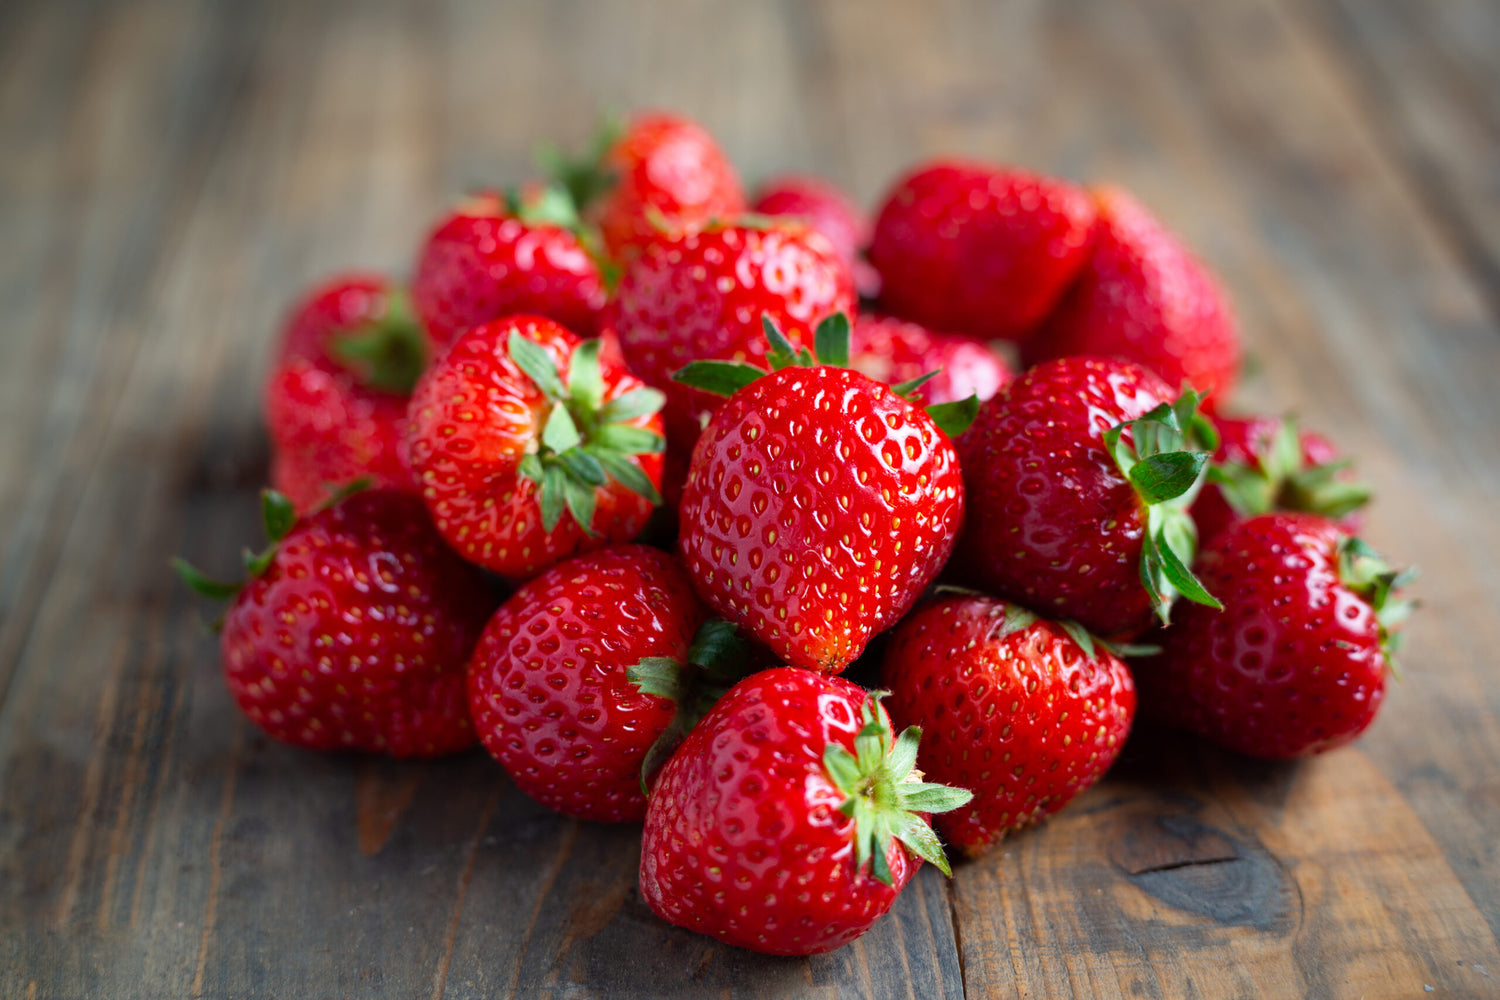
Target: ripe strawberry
336	396
501	445
494	257
977	249
790	819
661	172
826	209
893	350
353	629
1267	463
819	503
703	296
1078	476
1295	663
1143	296
1025	712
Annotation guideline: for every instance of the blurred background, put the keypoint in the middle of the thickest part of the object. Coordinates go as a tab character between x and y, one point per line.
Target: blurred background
173	173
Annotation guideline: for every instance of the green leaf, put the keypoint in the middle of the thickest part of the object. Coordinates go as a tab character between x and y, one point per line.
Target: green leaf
388	354
208	587
927	797
722	378
1080	635
658	675
338	494
560	433
903	756
585	382
921	841
662	749
954	418
552	206
782	354
842	768
880	865
277	513
553	500
831	341
1168	475
629	440
633	405
1119	450
1180	577
717	646
580	497
531	467
534	360
625	472
583	466
1016	619
906	389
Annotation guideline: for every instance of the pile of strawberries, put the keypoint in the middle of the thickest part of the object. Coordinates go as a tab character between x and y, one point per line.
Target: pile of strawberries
806	420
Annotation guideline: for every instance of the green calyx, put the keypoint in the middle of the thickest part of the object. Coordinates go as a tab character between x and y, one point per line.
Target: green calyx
279	516
388	354
830	349
1166	463
717	659
1281	479
1365	572
885	792
585	441
1018	618
585	178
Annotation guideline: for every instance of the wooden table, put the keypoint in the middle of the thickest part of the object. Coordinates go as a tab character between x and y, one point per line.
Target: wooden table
173	172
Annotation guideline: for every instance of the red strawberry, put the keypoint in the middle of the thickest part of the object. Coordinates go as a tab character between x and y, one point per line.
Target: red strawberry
1078	475
1025	712
1268	463
661	172
548	684
893	351
704	296
354	629
493	257
825	208
1295	663
1143	296
789	820
336	395
977	249
819	503
502	445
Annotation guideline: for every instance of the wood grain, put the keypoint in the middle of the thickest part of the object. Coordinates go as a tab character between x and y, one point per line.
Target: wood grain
174	172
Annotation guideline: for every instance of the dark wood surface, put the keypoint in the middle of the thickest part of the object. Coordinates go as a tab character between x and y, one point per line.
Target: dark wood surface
171	173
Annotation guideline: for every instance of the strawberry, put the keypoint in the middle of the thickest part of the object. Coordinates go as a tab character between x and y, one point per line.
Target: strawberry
1269	463
819	503
551	689
353	628
1078	476
1144	297
1025	712
892	351
503	446
977	249
493	257
703	296
661	172
789	819
1295	664
825	208
336	396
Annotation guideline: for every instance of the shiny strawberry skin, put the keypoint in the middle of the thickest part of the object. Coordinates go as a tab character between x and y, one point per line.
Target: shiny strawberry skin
1052	523
893	351
744	839
981	250
1293	664
702	297
547	683
482	263
818	506
326	428
1143	296
1240	441
826	209
357	635
473	417
668	170
1026	719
